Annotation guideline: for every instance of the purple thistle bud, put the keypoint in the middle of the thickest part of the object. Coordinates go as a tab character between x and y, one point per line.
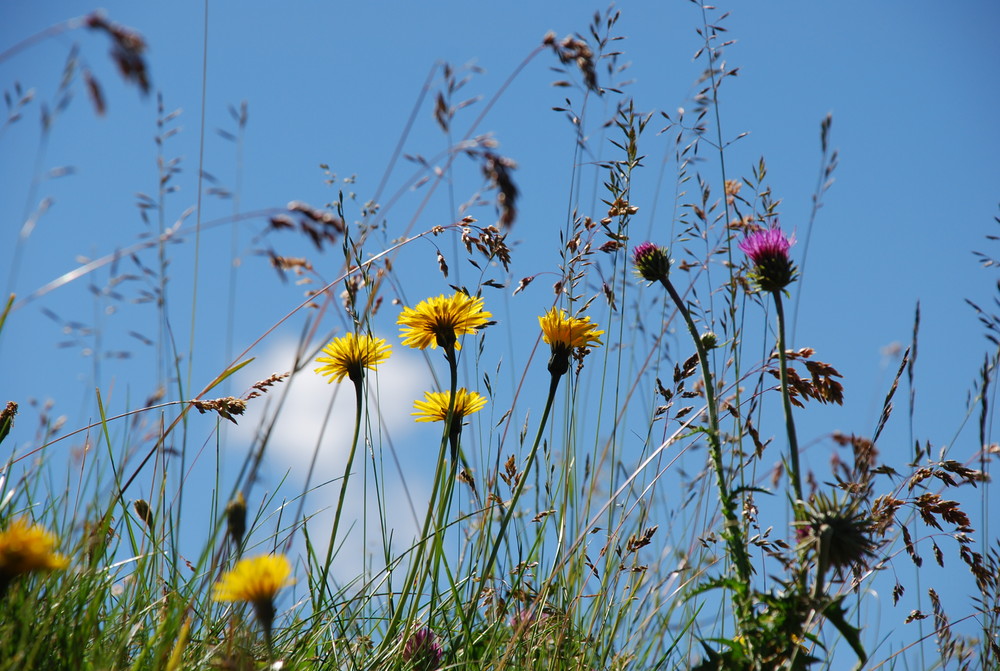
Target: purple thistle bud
422	651
651	262
768	251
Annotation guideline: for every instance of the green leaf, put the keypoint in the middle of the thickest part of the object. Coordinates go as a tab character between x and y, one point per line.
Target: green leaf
835	614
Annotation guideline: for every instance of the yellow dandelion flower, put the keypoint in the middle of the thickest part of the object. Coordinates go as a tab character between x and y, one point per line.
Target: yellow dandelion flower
349	355
434	407
441	320
256	580
26	547
564	334
558	330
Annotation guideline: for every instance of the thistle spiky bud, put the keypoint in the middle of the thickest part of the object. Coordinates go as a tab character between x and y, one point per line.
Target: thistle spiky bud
838	531
651	262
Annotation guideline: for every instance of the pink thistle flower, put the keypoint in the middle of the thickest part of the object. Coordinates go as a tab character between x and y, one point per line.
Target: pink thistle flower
768	251
651	262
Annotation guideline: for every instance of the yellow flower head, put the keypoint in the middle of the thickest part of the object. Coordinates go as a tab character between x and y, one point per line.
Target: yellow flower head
441	320
434	407
25	547
564	334
559	330
349	355
256	580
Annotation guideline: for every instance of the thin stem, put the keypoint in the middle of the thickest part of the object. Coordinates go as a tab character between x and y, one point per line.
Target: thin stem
417	572
452	434
733	533
509	513
51	31
359	398
794	473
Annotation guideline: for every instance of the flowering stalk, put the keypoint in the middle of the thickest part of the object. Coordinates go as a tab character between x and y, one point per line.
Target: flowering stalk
733	533
452	432
349	356
565	335
653	264
358	396
794	474
433	525
438	322
518	489
772	271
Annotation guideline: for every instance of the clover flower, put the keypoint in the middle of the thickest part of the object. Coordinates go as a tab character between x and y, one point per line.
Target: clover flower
651	262
434	407
27	548
257	581
767	249
565	334
422	651
441	320
349	355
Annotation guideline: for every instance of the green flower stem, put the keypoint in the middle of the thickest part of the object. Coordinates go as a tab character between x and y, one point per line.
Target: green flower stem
359	398
451	435
418	571
794	473
733	532
509	513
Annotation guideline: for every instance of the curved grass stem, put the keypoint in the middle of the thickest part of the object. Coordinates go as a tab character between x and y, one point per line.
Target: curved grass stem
794	472
733	534
518	489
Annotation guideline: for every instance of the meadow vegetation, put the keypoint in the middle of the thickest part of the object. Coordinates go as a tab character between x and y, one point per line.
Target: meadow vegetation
557	533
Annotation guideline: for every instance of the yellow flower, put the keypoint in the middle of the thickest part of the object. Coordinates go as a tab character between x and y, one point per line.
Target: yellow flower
434	407
439	321
25	547
564	334
256	580
349	355
559	330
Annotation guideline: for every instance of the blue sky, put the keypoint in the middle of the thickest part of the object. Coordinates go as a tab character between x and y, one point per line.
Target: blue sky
910	86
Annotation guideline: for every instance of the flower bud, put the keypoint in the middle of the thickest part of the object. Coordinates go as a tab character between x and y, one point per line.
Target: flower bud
651	262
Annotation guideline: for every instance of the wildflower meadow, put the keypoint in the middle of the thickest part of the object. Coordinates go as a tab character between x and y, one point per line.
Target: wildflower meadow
412	421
